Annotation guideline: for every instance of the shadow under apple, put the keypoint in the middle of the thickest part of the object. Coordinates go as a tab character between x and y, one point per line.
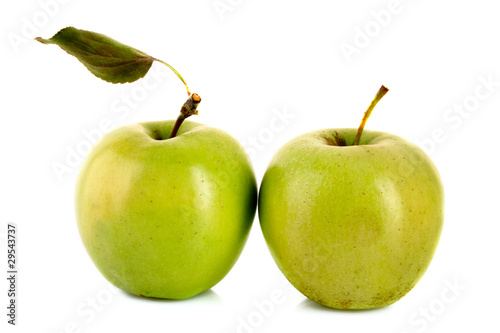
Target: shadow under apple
309	305
208	296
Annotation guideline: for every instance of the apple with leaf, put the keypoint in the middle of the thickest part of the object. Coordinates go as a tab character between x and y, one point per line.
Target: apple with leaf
163	208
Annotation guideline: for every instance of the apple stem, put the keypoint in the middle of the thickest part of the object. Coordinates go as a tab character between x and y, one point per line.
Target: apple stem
381	92
187	110
176	73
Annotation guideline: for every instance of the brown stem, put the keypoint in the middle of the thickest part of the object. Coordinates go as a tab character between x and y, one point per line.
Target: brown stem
381	92
187	110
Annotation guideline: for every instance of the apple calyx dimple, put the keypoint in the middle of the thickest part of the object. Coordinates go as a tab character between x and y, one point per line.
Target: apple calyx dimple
337	140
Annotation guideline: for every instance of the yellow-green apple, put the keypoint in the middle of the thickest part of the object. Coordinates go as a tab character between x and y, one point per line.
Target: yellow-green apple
165	217
352	225
163	210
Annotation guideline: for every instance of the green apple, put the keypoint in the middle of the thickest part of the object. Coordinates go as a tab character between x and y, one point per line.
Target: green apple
165	217
163	210
352	226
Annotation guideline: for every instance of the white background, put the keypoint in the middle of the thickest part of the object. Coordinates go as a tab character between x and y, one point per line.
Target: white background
251	61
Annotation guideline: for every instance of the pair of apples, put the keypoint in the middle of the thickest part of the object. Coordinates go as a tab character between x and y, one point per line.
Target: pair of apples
351	217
